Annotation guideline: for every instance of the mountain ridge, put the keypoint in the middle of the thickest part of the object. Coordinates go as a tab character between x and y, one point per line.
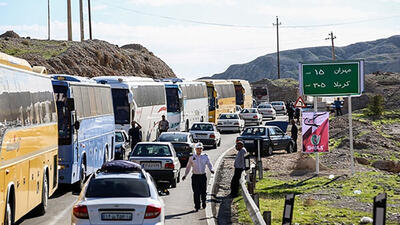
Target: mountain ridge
379	55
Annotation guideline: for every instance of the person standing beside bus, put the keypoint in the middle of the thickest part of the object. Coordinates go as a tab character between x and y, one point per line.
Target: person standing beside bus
163	125
135	134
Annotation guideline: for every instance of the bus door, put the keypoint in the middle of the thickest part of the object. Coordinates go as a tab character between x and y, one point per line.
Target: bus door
74	133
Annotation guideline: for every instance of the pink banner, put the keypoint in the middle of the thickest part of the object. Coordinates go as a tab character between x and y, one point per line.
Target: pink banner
315	131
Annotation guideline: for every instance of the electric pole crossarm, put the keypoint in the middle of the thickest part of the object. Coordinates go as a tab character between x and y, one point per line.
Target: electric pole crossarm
333	45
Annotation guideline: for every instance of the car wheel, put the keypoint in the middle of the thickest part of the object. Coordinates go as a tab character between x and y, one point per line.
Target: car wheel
173	182
270	150
215	145
45	197
289	148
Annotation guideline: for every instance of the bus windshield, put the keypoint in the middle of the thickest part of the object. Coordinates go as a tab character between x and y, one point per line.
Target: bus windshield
121	106
260	92
64	115
172	100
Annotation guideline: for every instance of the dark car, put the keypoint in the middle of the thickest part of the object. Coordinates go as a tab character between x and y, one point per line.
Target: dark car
121	144
271	138
183	144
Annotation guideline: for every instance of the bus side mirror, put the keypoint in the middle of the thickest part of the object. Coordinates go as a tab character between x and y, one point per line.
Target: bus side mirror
77	124
71	104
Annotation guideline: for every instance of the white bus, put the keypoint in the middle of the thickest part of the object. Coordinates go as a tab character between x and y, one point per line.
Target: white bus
137	98
187	103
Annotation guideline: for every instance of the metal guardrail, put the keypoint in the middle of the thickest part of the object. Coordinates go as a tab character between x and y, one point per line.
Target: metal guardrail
251	206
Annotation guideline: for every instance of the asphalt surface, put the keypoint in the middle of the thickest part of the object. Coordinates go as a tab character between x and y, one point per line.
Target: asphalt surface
179	206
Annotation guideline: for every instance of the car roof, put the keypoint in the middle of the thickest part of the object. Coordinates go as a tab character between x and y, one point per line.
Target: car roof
262	126
153	143
183	133
133	175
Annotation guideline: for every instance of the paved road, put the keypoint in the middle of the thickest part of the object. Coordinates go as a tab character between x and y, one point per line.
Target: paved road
179	204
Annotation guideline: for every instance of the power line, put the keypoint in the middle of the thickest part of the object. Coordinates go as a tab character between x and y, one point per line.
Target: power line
239	25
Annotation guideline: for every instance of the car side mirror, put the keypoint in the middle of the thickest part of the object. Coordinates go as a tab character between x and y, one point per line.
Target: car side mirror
77	124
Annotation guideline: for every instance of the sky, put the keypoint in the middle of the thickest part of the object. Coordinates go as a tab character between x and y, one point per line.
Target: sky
199	38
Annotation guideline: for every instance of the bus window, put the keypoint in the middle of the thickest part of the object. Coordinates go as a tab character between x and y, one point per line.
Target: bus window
239	95
64	115
121	106
211	99
172	100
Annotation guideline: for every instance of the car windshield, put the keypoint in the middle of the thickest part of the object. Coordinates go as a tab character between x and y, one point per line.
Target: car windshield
117	188
256	131
151	150
173	137
228	116
202	127
119	137
265	106
249	111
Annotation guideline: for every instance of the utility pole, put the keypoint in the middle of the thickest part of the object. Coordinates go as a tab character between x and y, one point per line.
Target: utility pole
48	19
333	45
69	20
90	20
81	19
277	45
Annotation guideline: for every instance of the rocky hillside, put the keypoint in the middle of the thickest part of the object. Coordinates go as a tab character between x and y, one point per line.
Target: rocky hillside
380	55
88	58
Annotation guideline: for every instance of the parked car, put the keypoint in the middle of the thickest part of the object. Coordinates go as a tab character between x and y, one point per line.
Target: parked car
206	133
230	122
121	144
159	159
183	144
267	110
251	116
279	107
271	138
121	193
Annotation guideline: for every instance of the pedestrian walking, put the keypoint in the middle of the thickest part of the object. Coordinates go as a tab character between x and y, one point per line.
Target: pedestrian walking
239	165
297	115
197	163
135	134
294	132
163	125
338	107
290	111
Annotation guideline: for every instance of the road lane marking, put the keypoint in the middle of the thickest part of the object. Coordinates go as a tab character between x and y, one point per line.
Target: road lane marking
211	186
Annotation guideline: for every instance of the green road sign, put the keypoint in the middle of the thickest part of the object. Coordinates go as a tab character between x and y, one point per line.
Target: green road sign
333	78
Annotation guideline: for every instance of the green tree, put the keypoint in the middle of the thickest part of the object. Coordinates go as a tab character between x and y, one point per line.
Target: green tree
375	106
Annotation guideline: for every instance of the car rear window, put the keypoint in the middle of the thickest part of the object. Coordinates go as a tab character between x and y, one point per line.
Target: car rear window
202	127
117	188
256	131
277	103
173	137
264	106
249	111
150	150
228	116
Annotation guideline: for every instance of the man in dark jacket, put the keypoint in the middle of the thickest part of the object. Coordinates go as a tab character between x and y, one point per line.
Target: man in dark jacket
135	134
294	133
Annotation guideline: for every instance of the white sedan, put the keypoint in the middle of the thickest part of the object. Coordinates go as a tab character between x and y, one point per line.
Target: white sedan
119	196
230	122
206	133
251	116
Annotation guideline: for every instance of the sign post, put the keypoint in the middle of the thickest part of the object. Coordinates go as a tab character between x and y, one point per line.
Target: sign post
333	78
316	150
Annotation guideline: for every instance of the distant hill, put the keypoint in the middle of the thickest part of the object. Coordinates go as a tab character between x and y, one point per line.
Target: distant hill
87	58
380	55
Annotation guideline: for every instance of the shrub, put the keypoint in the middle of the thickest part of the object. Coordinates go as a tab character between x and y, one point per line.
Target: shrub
375	106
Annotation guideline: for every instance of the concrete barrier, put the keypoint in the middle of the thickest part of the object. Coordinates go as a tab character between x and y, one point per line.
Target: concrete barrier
251	206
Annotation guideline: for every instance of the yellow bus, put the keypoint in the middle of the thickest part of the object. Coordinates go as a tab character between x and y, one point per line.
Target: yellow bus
28	140
244	95
221	98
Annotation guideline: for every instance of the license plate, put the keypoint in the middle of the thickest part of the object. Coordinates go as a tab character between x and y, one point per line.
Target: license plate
149	165
116	216
201	135
249	141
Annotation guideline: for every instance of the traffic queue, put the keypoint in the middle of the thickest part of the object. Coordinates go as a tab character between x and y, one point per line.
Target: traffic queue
61	129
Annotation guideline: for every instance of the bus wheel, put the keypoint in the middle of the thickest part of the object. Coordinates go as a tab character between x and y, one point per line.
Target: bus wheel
8	219
45	197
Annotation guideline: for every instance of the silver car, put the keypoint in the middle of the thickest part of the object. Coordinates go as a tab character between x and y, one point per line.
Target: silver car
279	107
267	110
119	197
251	116
159	159
230	122
206	133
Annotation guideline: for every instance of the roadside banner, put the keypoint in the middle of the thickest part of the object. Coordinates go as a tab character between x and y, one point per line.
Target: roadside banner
315	132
